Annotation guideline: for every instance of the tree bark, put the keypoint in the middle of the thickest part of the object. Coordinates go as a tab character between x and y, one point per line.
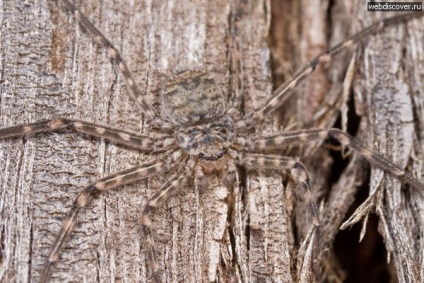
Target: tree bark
51	67
384	112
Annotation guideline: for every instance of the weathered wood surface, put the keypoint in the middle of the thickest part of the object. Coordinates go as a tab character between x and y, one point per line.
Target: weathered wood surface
51	67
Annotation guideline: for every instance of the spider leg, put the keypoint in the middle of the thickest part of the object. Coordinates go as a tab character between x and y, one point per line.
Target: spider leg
84	197
236	65
306	136
115	57
175	182
282	93
297	170
118	136
229	176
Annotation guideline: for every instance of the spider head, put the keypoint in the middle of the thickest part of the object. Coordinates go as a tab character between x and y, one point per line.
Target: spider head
207	141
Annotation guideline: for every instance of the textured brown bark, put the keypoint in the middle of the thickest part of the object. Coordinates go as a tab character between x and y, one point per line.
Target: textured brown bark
51	67
388	94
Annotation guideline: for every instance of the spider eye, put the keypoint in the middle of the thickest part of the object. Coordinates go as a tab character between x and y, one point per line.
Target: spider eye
195	133
220	130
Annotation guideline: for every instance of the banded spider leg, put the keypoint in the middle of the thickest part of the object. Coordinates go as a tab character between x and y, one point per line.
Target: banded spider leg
313	135
118	136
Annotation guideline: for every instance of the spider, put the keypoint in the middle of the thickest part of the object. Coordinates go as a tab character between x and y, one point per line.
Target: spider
201	135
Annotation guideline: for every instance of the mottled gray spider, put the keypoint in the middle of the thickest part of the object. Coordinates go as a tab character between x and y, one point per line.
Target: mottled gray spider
198	133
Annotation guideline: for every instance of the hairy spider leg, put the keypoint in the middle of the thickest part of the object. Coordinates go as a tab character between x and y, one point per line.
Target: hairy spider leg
296	169
118	136
116	59
84	197
283	92
175	182
306	136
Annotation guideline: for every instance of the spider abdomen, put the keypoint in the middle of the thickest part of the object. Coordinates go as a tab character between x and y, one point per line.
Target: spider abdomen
192	97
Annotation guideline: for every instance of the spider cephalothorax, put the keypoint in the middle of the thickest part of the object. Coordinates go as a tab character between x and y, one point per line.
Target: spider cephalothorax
208	141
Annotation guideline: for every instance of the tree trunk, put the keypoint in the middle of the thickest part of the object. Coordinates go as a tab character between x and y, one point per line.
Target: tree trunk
50	66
